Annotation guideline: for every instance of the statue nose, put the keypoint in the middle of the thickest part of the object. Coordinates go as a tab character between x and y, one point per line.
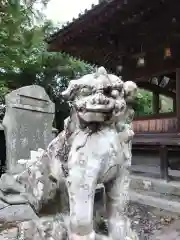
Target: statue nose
100	99
100	90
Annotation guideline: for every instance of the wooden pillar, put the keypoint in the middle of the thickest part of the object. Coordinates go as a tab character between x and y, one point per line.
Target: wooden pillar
178	98
155	103
164	163
174	105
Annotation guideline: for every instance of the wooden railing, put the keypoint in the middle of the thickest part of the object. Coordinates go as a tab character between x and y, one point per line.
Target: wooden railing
162	123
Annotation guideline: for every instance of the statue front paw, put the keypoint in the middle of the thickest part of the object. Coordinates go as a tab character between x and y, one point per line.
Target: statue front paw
9	184
11	192
91	236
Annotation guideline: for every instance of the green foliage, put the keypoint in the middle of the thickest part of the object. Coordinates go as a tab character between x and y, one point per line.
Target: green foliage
24	57
166	104
143	104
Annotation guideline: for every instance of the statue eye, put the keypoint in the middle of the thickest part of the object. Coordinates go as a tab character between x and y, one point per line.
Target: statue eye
107	91
115	93
85	91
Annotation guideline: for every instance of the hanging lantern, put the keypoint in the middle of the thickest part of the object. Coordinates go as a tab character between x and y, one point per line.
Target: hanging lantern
141	62
119	68
154	80
167	53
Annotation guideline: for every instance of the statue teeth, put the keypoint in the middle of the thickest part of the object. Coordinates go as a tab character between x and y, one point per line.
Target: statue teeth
93	101
106	101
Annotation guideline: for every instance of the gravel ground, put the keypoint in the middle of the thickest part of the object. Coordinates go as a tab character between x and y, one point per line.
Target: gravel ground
152	223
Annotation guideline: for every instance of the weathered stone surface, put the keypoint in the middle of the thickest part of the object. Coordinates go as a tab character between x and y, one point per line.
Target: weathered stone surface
155	185
30	231
99	150
27	122
3	204
17	213
13	198
9	234
49	229
8	184
54	133
169	203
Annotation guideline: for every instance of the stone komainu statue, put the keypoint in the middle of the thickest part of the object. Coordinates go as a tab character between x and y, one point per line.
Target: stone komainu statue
95	147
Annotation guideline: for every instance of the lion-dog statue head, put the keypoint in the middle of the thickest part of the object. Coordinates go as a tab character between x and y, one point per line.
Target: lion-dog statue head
100	97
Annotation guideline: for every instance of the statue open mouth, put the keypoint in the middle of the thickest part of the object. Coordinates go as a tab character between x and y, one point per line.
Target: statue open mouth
96	112
90	116
101	108
99	104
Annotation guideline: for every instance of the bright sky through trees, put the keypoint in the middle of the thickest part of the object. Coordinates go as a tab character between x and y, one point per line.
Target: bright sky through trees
65	10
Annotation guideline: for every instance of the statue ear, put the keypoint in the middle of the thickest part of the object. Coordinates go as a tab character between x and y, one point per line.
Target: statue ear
70	93
130	90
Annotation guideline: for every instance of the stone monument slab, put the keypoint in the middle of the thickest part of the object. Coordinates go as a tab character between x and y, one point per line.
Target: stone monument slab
27	122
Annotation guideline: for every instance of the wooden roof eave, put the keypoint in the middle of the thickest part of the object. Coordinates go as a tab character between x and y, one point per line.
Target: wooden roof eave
72	33
95	9
98	15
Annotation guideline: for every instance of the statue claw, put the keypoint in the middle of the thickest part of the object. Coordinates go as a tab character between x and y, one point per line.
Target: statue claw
13	199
